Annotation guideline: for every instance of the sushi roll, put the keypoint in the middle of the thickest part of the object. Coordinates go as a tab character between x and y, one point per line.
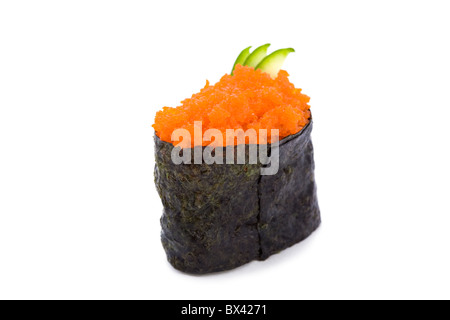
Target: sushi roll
235	168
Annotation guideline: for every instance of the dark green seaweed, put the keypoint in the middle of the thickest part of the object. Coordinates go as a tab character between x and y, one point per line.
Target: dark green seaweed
218	217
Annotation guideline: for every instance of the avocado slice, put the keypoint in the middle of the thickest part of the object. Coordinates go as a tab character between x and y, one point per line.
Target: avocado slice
241	58
257	56
273	62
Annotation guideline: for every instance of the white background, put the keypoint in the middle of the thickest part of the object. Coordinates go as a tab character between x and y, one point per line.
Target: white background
80	82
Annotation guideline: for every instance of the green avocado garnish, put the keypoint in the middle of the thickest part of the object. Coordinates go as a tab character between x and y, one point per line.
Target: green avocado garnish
259	59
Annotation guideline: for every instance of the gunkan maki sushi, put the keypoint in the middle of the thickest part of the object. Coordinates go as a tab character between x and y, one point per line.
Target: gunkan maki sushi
235	168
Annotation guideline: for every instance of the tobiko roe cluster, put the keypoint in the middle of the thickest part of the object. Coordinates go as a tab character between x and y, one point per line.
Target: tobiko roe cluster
250	99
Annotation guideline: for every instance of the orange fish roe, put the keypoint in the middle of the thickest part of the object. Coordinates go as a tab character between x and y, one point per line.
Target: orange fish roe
250	99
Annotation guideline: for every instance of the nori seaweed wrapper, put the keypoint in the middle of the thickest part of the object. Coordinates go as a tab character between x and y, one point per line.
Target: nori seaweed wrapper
220	216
